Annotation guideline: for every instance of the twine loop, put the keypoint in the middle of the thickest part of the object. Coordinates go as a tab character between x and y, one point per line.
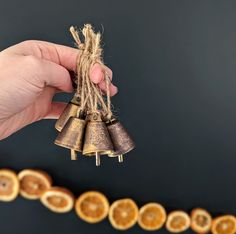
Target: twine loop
90	53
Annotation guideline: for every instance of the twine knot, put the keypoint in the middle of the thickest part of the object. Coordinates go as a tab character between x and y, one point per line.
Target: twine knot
90	53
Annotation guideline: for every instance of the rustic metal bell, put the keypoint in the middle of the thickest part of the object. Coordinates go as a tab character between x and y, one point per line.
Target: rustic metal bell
97	140
121	139
70	111
72	135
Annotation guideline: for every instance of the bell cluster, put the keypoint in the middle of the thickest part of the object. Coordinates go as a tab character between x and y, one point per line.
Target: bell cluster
87	124
91	134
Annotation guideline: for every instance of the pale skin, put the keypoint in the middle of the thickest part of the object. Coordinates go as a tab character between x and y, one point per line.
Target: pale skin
31	73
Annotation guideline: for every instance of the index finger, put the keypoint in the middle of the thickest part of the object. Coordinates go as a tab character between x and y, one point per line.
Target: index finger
63	55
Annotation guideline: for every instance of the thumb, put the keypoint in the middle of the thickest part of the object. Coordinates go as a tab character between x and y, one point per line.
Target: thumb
56	110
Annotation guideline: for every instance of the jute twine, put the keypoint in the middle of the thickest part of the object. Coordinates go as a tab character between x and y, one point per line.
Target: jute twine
90	53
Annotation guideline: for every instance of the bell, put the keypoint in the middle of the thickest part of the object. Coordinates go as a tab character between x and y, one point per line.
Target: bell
97	140
70	111
121	139
72	135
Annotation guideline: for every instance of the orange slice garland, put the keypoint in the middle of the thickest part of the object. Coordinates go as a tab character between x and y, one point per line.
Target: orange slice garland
200	220
92	206
177	221
57	199
123	214
9	185
152	216
225	224
33	183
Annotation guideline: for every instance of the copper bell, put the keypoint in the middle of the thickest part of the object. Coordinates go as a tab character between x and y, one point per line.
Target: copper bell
97	140
121	139
69	111
72	135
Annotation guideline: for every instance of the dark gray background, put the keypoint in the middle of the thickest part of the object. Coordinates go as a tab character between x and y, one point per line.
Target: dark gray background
175	65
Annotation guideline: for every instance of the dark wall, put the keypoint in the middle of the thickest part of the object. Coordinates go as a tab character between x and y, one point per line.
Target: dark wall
175	65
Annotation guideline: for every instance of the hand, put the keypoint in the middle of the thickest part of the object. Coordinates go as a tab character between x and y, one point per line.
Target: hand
31	72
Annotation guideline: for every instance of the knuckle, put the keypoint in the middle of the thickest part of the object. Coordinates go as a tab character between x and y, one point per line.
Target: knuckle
27	43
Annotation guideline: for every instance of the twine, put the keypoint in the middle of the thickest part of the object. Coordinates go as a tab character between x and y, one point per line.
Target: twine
90	52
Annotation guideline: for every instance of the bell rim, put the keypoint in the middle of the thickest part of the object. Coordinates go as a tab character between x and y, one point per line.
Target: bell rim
58	128
67	146
101	152
117	153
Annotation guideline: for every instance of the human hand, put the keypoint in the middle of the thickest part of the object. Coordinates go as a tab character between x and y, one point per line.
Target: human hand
31	72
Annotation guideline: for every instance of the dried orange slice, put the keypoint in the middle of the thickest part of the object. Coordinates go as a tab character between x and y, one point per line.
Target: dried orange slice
123	214
33	183
92	206
9	185
177	221
152	216
58	199
200	220
225	224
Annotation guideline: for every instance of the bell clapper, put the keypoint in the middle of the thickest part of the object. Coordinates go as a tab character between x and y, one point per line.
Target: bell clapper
120	158
73	154
98	161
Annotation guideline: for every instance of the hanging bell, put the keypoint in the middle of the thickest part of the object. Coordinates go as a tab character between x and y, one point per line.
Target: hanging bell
97	139
121	139
70	111
72	135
